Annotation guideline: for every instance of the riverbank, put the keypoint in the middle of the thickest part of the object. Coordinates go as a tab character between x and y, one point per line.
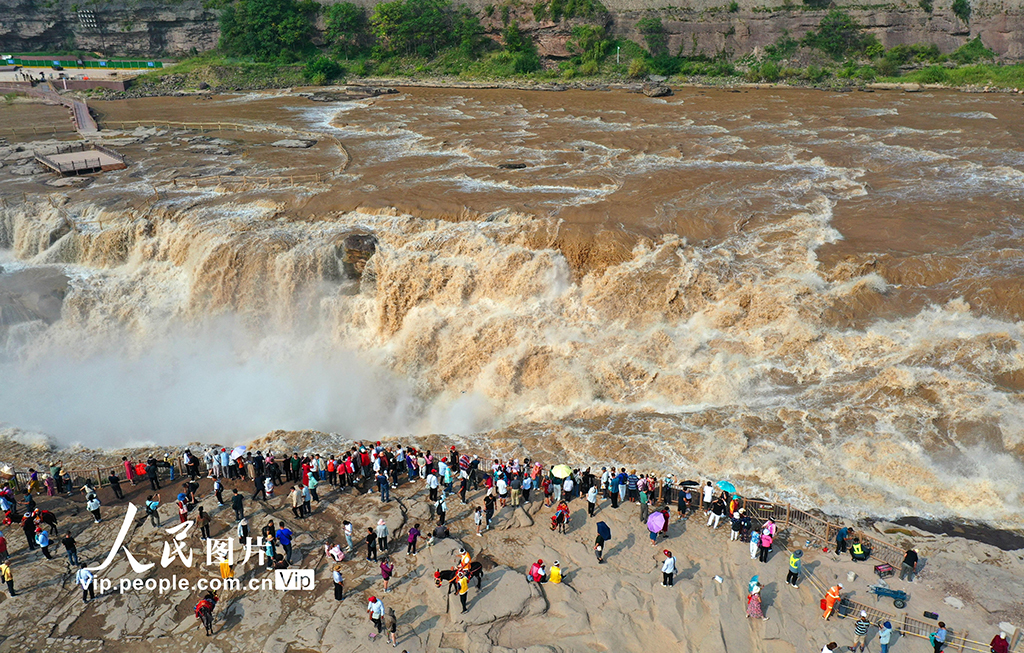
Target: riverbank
191	77
621	604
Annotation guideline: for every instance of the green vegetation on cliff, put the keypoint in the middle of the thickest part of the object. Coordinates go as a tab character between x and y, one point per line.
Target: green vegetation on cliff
267	42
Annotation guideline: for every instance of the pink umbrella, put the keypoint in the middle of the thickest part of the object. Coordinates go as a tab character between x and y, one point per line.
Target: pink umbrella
656	522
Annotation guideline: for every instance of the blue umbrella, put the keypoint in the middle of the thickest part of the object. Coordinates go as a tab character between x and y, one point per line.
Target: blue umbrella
604	531
727	486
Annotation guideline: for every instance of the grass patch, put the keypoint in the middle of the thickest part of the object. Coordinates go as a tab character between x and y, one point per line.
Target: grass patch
1008	76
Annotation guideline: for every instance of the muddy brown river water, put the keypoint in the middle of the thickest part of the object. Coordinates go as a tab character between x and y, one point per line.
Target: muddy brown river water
817	293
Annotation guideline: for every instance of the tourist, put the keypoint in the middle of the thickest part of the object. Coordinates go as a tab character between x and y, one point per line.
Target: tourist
938	638
7	576
502	487
754	608
489	510
375	609
182	508
71	548
527	485
644	509
243	531
347	528
371	545
591	500
613	488
555	575
999	644
218	491
765	546
536	573
391	625
414	534
307	500
885	636
382	536
152	509
339	583
515	487
668	569
284	538
129	469
236	504
909	566
295	499
568	485
85	578
204	524
709	494
860	632
43	542
441	508
387	570
463	589
794	567
93	506
599	548
735	526
115	485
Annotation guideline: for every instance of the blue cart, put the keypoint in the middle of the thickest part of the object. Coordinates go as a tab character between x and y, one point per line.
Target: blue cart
899	597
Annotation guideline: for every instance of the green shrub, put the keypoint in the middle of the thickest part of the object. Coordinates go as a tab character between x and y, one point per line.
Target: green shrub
866	74
540	11
932	75
962	10
972	52
637	68
837	35
734	7
321	70
926	5
871	46
769	71
887	68
814	74
784	47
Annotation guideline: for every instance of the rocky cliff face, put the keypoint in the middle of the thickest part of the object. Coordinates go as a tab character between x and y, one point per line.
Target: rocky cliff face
114	28
154	27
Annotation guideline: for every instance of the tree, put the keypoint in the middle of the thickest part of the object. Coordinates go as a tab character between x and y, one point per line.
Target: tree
837	34
587	44
346	29
413	26
268	30
520	54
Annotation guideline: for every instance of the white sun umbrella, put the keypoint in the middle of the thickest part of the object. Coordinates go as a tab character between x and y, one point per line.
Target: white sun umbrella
238	452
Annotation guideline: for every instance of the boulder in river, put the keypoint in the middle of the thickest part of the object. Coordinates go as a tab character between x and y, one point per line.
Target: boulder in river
296	143
656	90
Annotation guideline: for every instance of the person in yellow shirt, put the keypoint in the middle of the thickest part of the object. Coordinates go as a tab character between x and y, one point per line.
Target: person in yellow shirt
7	576
555	575
463	590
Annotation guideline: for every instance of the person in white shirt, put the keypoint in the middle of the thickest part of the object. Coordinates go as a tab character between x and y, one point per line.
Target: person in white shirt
591	500
432	485
376	611
709	495
567	486
668	569
84	578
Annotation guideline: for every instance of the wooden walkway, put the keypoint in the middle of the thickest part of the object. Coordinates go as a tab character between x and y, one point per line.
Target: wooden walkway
82	160
79	110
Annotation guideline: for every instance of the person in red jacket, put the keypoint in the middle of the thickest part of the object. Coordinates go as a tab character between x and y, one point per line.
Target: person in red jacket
1000	644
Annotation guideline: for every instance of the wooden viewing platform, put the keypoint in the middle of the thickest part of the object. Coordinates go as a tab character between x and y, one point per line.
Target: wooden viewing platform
82	160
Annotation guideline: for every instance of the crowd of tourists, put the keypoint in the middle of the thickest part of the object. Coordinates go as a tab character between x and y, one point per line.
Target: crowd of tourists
448	476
